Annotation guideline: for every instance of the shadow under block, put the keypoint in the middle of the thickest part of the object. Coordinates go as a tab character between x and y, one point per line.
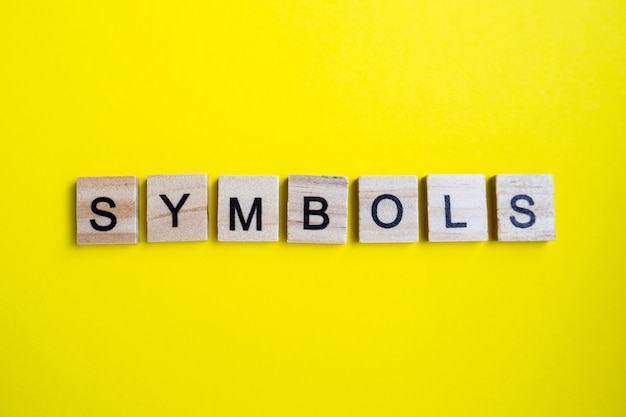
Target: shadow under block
317	209
177	208
457	208
525	207
388	209
106	210
247	209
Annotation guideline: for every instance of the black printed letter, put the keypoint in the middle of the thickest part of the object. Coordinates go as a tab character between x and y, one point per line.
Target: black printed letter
398	218
522	210
173	209
236	208
96	210
449	224
321	212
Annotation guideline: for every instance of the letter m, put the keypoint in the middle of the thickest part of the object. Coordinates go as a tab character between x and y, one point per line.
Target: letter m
235	208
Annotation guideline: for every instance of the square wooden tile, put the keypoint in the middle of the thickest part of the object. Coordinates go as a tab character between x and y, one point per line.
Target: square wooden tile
106	210
525	207
247	209
177	208
317	209
388	209
457	208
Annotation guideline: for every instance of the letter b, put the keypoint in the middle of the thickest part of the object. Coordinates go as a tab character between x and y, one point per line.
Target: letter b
318	212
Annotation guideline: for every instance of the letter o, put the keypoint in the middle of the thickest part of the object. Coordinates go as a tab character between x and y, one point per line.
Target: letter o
399	209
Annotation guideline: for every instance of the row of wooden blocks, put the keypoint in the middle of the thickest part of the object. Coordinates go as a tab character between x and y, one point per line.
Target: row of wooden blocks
317	208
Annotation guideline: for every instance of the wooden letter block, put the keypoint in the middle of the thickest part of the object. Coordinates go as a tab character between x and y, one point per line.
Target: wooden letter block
388	209
177	208
106	210
247	209
317	209
525	207
457	208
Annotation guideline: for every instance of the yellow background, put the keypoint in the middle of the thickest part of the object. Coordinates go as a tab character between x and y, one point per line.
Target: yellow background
312	87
